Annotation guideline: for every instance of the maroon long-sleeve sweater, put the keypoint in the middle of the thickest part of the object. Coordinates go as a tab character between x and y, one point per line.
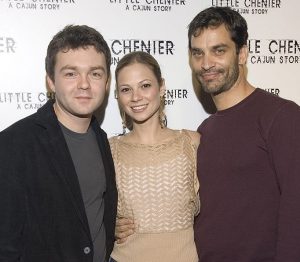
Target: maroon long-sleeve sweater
249	172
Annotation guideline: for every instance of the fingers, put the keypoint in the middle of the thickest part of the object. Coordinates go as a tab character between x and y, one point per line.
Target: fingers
124	228
121	240
124	225
124	221
123	234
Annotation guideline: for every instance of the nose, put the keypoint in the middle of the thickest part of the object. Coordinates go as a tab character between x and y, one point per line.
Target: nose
207	62
136	95
84	82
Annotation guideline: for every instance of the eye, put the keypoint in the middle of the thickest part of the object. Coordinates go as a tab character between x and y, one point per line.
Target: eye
124	89
197	53
146	85
96	74
219	51
70	74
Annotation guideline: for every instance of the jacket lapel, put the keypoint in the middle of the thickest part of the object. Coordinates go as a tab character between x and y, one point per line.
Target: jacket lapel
60	158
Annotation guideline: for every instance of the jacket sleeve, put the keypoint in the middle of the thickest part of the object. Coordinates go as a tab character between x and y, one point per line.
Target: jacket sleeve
12	204
284	145
111	195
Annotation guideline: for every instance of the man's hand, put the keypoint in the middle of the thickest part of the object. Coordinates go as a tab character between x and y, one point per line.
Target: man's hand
124	228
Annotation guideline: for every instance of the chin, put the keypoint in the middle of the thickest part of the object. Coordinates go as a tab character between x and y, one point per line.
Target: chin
83	114
211	91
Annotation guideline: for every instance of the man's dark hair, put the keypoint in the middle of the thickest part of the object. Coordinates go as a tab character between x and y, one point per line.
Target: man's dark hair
74	37
213	17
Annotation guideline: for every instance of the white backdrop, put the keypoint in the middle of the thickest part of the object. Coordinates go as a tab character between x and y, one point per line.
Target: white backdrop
160	26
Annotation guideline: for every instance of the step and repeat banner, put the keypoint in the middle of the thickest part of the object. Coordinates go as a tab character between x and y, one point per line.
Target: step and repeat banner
156	26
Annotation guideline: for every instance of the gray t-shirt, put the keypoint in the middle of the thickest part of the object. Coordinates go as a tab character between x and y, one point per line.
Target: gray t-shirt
89	167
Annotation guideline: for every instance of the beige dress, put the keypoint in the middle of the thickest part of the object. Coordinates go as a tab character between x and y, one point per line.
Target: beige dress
157	188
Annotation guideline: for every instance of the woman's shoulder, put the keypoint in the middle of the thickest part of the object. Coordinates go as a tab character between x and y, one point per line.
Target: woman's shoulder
195	136
113	141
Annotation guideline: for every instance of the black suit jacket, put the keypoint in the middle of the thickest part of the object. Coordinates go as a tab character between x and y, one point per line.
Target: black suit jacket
42	212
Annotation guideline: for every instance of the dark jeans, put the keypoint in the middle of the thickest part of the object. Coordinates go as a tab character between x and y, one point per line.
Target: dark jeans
111	260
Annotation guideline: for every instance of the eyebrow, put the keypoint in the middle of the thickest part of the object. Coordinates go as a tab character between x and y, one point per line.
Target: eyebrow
140	82
197	49
69	67
219	46
145	80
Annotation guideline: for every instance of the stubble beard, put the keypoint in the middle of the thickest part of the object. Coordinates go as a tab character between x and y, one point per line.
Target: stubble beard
229	78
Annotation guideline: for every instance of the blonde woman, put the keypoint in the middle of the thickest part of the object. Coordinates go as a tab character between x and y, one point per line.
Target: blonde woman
155	169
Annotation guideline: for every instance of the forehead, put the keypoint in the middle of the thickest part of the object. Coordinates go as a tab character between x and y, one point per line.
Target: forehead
136	68
135	73
212	36
81	57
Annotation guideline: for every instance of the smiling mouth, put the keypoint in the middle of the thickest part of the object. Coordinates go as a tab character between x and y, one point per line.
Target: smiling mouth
139	108
209	76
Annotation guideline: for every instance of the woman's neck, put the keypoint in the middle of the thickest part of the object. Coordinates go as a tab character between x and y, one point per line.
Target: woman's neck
148	133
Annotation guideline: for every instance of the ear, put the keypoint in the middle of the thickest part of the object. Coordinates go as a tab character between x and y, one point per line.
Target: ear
50	83
162	88
243	55
108	82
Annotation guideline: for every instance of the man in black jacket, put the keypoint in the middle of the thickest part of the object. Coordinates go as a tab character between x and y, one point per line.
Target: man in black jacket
57	182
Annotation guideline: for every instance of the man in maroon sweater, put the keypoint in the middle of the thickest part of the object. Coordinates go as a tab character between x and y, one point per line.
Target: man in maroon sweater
249	157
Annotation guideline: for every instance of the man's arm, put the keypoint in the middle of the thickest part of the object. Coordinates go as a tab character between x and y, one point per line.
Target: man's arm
284	145
12	206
